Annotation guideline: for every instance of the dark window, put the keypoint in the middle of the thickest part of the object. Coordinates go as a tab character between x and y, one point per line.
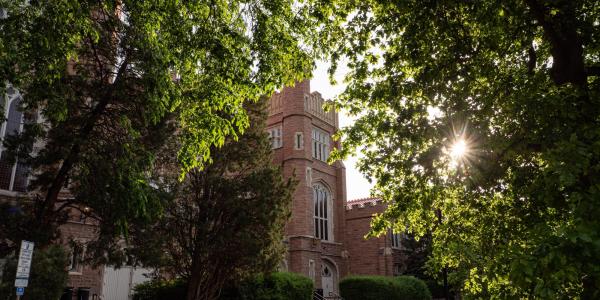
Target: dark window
13	171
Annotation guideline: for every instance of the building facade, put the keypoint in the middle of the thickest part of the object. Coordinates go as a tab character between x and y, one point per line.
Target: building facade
84	281
300	133
377	255
325	236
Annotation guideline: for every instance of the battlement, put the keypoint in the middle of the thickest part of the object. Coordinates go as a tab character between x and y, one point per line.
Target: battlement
313	104
362	203
289	100
275	104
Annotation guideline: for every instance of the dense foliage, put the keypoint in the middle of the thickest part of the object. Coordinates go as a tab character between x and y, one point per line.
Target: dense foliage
416	254
380	287
111	79
517	82
48	275
275	286
224	222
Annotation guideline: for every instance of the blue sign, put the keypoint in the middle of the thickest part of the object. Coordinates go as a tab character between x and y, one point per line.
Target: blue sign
20	291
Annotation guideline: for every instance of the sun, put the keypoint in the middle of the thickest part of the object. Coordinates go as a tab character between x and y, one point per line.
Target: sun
458	149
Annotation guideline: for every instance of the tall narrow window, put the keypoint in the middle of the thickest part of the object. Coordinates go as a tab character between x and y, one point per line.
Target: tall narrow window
322	205
396	238
75	258
308	176
320	144
311	269
299	141
275	136
13	172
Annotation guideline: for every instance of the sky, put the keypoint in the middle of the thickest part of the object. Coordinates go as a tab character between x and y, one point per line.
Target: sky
357	186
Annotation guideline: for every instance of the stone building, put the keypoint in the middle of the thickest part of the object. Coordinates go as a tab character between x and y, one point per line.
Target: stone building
300	133
374	256
84	280
325	235
324	238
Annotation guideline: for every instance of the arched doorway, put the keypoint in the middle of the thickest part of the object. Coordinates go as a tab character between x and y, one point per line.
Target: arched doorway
328	278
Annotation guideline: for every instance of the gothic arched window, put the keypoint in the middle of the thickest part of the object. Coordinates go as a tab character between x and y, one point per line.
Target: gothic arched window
13	172
322	208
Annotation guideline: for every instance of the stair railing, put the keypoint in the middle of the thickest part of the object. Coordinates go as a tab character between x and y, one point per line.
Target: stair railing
317	296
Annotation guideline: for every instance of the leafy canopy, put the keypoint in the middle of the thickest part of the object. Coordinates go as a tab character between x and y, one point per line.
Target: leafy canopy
518	82
225	222
110	78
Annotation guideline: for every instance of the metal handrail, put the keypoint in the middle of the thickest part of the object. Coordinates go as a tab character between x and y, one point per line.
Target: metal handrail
333	296
317	296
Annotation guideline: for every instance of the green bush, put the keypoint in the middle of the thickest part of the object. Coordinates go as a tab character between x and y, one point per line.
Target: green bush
160	290
413	288
47	277
276	286
380	287
369	288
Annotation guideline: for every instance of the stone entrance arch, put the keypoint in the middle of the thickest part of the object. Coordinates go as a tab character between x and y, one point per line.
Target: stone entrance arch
329	278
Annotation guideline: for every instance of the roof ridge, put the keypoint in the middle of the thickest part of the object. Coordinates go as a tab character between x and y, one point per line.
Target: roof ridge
362	202
364	199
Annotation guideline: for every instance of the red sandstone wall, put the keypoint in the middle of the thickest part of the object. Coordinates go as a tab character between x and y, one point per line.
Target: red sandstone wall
373	256
302	246
89	277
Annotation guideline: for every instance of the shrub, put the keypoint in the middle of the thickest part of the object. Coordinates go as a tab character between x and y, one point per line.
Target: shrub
369	288
413	288
380	287
47	278
160	290
276	286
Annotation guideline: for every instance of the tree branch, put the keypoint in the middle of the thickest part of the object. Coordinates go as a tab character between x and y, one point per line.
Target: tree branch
592	71
70	160
566	45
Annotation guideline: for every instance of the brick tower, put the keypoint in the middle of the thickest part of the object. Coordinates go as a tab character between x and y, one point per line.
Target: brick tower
300	132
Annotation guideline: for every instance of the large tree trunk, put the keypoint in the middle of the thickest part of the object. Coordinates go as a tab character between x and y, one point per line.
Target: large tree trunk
568	66
193	283
566	46
202	284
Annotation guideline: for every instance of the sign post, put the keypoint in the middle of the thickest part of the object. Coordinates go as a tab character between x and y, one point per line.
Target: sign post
23	267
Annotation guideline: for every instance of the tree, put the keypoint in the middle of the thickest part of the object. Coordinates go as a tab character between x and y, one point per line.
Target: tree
110	78
226	221
415	253
48	275
517	83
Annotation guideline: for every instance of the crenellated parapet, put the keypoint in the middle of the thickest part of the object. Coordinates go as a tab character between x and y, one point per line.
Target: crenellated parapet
275	104
313	104
362	203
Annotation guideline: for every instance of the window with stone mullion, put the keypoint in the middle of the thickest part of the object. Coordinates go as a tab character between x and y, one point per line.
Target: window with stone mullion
13	174
321	215
320	140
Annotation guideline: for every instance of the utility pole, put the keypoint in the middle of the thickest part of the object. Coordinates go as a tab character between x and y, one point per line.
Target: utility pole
445	270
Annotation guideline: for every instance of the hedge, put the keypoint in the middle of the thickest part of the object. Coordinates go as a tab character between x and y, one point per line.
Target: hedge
413	288
380	287
160	290
276	286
